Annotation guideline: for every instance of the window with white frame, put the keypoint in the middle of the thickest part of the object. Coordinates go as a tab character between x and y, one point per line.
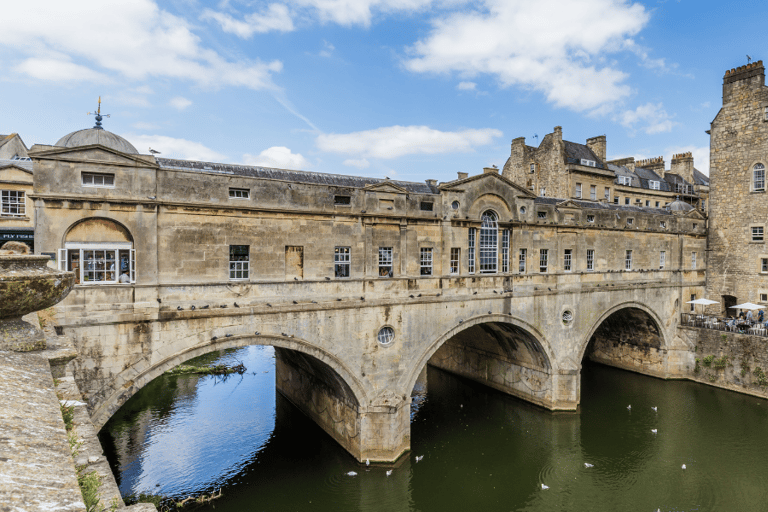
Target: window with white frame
693	261
239	262
607	193
99	263
654	185
471	251
625	180
543	257
239	193
541	214
628	260
593	192
657	204
522	258
626	200
505	251
757	233
590	259
578	191
425	261
489	243
533	168
342	259
543	191
662	260
630	222
758	178
95	179
455	259
12	203
385	262
704	205
764	265
567	254
588	163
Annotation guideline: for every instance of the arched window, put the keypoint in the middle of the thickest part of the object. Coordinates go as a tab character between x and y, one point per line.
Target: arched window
758	178
99	251
489	243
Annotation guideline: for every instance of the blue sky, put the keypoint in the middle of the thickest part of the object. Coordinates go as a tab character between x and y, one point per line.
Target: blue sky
410	89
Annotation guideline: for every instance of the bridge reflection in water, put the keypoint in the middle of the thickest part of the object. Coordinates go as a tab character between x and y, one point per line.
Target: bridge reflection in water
483	450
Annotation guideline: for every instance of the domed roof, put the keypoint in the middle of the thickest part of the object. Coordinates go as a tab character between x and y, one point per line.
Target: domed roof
679	206
97	136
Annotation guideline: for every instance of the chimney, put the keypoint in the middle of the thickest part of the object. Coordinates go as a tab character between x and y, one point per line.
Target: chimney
628	162
682	165
432	183
463	175
491	170
652	164
597	145
752	76
558	133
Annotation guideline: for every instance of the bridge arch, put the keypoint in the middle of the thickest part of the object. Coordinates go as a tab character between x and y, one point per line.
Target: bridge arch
543	368
132	379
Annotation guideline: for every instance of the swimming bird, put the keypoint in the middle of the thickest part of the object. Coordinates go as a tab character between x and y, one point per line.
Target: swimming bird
351	473
544	487
389	472
655	409
419	457
367	462
629	407
653	430
588	465
683	466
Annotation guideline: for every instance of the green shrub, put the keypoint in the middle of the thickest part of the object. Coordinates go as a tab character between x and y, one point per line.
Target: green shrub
697	368
720	363
708	360
760	376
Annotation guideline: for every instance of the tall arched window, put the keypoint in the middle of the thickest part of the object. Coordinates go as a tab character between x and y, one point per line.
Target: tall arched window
758	177
489	243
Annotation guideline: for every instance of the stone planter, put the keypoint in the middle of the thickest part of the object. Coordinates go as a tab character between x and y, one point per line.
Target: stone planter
27	284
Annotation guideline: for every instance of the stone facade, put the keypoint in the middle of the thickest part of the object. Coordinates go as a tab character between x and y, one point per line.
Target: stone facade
17	219
738	257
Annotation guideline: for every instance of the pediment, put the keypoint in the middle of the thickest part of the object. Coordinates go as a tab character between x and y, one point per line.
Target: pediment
94	153
695	214
466	183
569	204
385	186
11	171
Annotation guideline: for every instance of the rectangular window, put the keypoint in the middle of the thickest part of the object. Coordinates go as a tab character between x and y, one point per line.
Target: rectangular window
657	204
342	200
662	260
239	193
588	163
693	261
341	262
703	205
625	180
763	264
426	206
541	215
615	199
590	218
663	224
626	200
567	260
647	203
94	264
471	251
425	260
385	262
93	179
533	168
757	233
543	257
758	177
523	255
590	259
764	297
455	259
654	185
630	222
12	203
505	251
607	193
693	306
239	256
593	192
628	260
578	191
543	191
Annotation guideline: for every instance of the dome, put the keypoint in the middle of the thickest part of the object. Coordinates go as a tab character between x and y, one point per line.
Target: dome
679	206
97	136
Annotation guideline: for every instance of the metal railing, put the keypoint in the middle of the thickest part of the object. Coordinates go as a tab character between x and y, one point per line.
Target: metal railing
727	324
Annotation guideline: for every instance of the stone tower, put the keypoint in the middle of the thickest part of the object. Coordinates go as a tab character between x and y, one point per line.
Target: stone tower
737	255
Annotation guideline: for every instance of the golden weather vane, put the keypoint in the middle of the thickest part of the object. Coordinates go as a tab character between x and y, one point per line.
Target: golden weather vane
99	115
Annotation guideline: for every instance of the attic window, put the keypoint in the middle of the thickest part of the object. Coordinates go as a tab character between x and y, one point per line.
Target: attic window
590	218
625	180
588	163
663	224
239	193
630	222
654	185
426	206
93	179
342	200
541	215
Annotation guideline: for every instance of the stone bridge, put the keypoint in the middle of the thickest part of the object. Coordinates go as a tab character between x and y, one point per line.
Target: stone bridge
522	335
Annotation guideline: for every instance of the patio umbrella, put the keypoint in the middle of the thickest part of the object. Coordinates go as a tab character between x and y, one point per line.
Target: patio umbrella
748	305
703	302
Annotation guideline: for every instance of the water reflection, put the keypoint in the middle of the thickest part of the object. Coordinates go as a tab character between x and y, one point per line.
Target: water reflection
482	450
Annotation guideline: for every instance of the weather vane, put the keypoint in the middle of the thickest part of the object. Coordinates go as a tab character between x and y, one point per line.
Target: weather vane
99	116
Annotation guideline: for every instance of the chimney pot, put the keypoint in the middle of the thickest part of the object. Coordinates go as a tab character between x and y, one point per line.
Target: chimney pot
463	175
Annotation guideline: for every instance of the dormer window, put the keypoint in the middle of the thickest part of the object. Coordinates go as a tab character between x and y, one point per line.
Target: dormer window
654	185
588	163
625	180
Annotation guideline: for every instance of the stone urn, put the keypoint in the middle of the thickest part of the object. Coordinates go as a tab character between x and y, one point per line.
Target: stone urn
27	284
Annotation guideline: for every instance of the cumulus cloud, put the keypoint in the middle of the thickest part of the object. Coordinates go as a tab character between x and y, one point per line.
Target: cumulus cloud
128	39
397	141
170	147
275	18
652	115
466	86
361	163
180	103
357	12
548	45
280	157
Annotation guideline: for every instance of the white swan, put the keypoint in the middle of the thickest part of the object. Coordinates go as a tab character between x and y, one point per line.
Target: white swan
653	430
629	407
588	465
544	487
389	472
351	473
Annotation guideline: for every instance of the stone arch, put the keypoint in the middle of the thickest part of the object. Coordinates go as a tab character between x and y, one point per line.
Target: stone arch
491	201
132	379
408	381
97	229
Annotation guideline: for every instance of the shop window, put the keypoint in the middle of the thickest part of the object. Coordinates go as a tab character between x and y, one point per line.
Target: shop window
95	263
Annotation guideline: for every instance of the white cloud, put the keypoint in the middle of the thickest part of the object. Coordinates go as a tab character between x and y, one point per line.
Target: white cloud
652	115
357	12
700	156
123	39
396	141
327	50
361	163
179	103
546	45
466	86
170	147
279	157
275	18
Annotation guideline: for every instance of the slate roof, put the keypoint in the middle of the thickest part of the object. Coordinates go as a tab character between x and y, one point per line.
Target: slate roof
314	178
646	175
699	178
599	205
24	164
574	152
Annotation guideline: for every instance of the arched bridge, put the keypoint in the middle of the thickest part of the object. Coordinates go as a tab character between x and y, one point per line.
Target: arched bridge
525	336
